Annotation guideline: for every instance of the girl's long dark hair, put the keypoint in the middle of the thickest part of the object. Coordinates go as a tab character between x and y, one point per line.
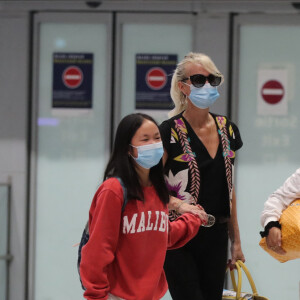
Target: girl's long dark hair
120	163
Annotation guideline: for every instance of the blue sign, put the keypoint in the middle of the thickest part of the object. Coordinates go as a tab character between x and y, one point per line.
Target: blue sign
72	80
153	80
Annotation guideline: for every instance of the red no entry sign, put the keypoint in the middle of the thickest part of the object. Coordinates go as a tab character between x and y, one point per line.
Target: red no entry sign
156	78
272	91
72	77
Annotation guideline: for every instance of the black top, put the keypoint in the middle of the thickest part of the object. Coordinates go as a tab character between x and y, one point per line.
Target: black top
213	194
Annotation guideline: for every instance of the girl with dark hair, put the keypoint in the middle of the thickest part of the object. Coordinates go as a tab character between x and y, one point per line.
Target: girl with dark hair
124	256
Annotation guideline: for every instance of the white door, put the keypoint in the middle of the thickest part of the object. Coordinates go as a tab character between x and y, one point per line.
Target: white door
71	130
267	109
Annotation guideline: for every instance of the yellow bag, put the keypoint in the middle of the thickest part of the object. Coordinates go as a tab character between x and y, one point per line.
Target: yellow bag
290	233
236	294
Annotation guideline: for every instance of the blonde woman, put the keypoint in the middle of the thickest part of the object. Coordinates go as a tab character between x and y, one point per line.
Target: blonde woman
199	159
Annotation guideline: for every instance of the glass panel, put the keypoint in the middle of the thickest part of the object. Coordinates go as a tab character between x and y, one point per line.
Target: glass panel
271	145
3	238
150	39
72	153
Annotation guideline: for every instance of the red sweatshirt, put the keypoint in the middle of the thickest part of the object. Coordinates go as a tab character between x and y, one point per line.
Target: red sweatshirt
126	251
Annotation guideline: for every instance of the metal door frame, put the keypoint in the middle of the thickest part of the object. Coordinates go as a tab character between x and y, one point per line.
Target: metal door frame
240	20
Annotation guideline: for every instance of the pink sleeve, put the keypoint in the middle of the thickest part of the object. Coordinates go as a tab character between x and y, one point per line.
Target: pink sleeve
182	230
98	253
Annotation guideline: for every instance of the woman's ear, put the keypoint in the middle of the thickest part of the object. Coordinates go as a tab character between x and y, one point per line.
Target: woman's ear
183	88
180	85
131	152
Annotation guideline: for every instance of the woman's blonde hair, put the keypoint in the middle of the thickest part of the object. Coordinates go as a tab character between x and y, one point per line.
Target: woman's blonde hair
177	96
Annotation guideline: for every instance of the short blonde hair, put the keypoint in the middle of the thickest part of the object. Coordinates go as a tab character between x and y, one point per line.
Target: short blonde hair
177	96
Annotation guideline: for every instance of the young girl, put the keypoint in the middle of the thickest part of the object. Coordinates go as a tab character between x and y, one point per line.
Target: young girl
124	256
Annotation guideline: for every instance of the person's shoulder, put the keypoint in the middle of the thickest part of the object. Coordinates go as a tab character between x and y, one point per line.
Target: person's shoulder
296	178
169	122
109	192
222	118
176	117
232	130
112	185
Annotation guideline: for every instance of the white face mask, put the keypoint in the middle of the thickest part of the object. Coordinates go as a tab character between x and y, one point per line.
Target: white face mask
149	155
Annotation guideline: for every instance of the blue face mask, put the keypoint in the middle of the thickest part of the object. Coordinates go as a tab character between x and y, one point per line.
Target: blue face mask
149	155
205	96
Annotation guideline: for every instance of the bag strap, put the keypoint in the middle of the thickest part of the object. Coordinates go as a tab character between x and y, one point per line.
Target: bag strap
241	266
237	287
125	200
249	277
233	278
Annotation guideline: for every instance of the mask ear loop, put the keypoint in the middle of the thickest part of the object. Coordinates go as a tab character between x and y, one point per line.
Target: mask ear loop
129	154
184	101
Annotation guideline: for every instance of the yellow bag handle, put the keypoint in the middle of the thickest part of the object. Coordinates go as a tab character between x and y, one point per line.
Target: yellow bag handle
240	265
233	277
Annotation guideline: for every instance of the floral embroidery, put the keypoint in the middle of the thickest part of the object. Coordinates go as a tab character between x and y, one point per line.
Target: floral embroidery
174	134
230	154
230	130
172	140
227	152
178	184
191	176
193	166
180	125
221	121
186	157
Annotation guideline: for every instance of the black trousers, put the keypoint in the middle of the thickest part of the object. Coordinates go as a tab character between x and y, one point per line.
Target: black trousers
197	270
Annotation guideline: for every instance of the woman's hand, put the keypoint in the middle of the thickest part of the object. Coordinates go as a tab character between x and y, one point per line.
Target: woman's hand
236	254
274	240
182	207
193	209
234	234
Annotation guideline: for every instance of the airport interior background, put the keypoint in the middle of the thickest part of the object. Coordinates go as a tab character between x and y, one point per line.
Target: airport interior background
70	70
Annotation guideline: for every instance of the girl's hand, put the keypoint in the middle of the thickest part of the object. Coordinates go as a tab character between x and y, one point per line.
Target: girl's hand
274	240
193	209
